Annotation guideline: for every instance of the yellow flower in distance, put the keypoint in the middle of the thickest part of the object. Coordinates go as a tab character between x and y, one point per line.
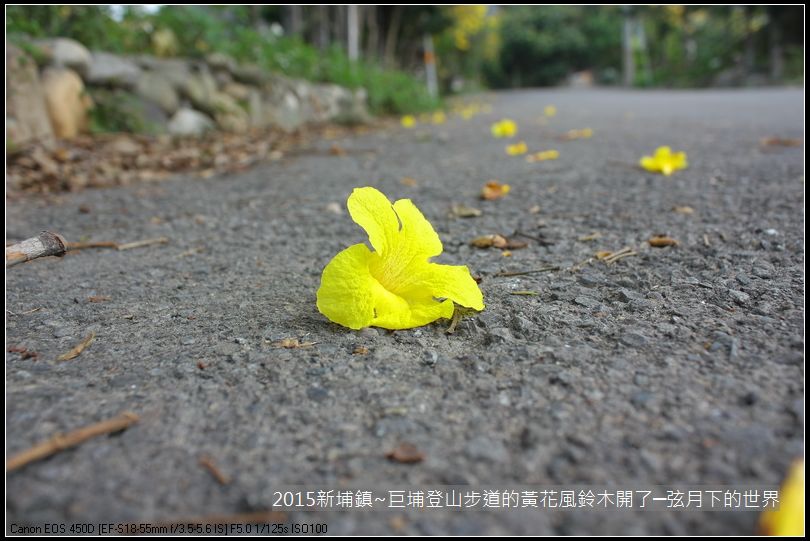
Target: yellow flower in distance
438	117
543	156
517	149
664	161
408	121
550	110
789	518
394	286
504	128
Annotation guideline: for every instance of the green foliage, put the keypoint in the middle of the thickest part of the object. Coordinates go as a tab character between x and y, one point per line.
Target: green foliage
227	29
541	46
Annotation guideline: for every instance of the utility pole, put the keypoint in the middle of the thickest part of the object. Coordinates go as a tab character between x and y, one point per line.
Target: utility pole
629	61
354	33
430	66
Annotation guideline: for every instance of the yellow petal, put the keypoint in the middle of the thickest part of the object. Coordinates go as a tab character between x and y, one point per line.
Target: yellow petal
346	295
414	315
679	160
789	518
434	280
648	163
372	211
416	233
663	153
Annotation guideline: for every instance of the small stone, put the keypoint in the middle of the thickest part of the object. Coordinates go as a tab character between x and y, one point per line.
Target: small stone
368	332
771	232
590	281
641	399
633	339
61	332
317	394
743	279
627	295
587	302
430	357
739	297
501	334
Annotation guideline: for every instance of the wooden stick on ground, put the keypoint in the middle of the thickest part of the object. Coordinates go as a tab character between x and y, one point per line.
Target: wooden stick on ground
60	442
46	244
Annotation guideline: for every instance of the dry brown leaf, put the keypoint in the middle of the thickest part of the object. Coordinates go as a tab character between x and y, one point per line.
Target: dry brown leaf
293	343
780	142
77	350
661	241
25	353
360	350
593	236
603	254
463	211
98	298
490	241
408	181
497	241
683	209
337	150
494	190
405	453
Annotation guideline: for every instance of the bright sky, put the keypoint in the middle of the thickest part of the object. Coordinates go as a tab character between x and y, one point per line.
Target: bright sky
117	10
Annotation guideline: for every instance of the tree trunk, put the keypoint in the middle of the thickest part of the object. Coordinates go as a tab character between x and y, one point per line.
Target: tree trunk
296	20
392	36
629	61
323	27
775	45
353	31
372	31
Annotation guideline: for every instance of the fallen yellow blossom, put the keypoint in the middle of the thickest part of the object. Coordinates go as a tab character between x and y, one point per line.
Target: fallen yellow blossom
664	161
395	286
543	156
517	149
504	128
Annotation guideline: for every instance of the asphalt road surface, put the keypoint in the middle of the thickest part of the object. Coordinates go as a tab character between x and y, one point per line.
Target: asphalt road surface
674	367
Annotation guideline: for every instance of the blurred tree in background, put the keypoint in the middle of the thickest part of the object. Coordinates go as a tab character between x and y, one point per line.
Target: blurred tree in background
476	45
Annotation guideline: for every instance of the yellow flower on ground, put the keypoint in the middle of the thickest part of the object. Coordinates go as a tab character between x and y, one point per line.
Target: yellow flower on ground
517	149
664	161
408	121
789	518
504	128
550	110
438	117
395	286
543	156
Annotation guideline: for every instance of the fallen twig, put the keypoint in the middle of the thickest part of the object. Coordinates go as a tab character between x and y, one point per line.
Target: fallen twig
31	311
77	350
615	256
116	245
82	245
60	442
454	322
208	463
532	271
539	239
46	244
140	243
